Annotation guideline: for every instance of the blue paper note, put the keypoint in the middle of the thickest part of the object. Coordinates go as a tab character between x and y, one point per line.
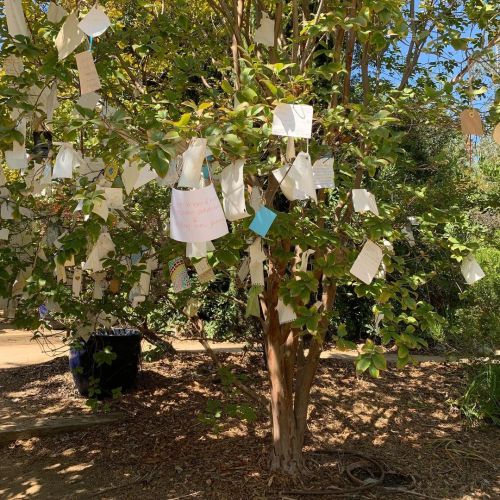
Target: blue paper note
262	221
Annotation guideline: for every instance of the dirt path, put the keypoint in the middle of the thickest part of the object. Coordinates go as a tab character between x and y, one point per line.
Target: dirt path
17	348
403	421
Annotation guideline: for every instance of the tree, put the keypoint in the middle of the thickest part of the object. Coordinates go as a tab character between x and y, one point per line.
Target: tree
167	76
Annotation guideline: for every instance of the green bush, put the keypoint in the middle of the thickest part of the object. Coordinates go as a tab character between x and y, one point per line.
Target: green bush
481	400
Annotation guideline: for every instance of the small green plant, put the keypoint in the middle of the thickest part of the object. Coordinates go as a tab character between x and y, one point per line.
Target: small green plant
481	400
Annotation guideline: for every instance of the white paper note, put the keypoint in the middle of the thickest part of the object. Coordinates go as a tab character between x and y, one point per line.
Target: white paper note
101	209
130	175
287	184
4	234
17	158
192	161
146	174
199	250
114	197
471	270
204	271
69	37
233	191
66	160
89	79
13	65
364	201
286	314
103	246
301	172
16	22
95	23
88	101
293	120
77	282
196	216
366	265
323	173
290	149
264	34
56	13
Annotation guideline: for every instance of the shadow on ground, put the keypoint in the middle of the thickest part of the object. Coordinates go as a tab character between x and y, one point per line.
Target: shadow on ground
162	450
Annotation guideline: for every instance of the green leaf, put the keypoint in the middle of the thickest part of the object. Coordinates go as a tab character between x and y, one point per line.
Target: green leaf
362	364
159	161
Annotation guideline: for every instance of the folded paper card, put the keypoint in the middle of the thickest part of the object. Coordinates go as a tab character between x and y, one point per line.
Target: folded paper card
56	13
470	121
179	275
290	149
364	201
114	197
262	221
323	173
294	120
4	234
264	34
471	270
88	101
70	36
89	79
233	191
366	265
192	161
496	133
196	216
14	14
100	251
96	22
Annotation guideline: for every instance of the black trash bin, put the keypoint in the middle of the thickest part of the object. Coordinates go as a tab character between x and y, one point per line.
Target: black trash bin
122	372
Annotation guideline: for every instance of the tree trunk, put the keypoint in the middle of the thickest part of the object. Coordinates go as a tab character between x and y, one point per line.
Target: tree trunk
286	455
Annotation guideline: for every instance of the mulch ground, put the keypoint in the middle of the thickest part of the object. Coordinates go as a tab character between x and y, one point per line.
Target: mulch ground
403	422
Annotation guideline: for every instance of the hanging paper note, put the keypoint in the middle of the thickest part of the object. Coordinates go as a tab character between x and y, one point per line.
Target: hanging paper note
70	36
286	314
204	271
13	65
7	211
179	275
114	197
101	208
366	265
233	191
146	174
302	174
244	269
172	175
470	121
77	282
253	303
256	198
17	158
4	234
471	270
192	160
16	22
323	173
264	34
257	257
294	120
199	250
496	133
130	175
287	184
290	149
88	101
89	79
95	23
408	232
55	13
196	216
66	160
262	221
100	251
364	201
304	261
